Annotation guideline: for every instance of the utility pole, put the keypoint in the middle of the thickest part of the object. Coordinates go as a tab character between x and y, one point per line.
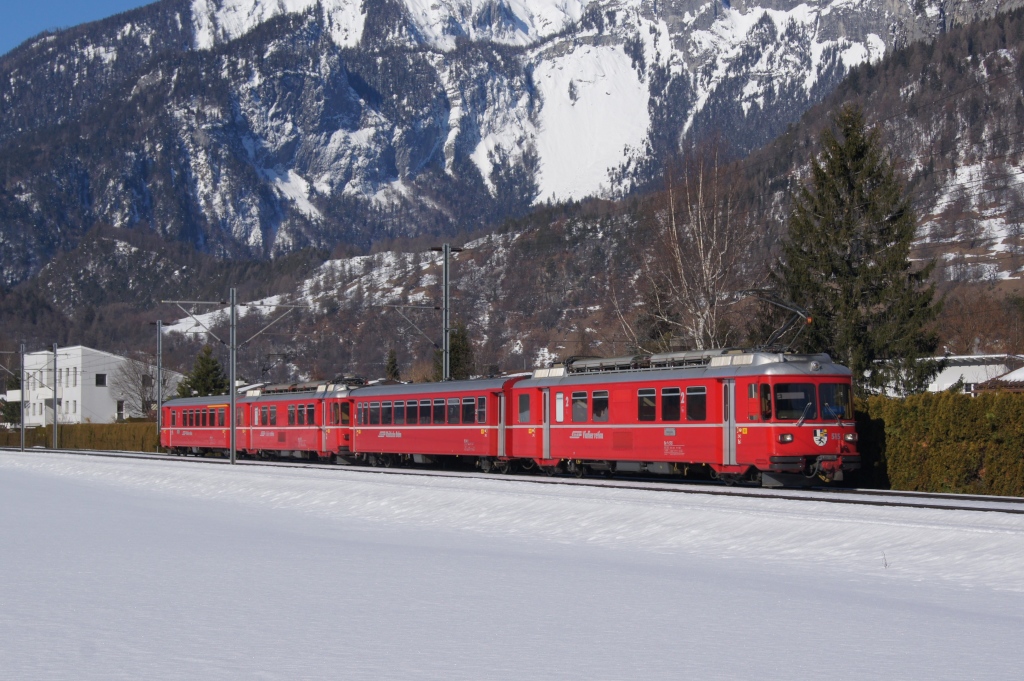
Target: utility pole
23	386
159	376
233	351
53	389
446	250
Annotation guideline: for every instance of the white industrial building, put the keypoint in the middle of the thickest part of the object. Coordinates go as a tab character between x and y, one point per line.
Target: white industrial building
90	385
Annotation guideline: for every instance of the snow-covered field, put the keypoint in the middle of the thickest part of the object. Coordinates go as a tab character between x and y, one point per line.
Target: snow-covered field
115	569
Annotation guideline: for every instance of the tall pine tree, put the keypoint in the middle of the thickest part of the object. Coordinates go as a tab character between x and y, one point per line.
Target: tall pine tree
461	362
846	260
391	371
206	378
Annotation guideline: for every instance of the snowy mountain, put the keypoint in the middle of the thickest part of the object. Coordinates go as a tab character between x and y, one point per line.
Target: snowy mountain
251	128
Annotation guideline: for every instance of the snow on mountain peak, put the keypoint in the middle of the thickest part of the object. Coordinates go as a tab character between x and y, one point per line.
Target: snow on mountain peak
218	21
436	23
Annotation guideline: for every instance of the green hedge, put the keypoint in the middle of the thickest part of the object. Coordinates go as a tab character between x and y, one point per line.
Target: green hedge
135	437
944	442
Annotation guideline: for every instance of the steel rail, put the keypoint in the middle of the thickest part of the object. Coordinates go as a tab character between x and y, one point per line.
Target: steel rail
818	495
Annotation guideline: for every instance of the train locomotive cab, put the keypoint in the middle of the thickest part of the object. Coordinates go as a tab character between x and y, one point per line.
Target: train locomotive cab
777	418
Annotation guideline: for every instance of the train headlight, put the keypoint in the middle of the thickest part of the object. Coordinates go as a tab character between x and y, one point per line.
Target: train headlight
850	437
786	438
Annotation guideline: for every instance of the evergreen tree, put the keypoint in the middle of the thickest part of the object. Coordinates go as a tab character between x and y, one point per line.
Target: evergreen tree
206	378
391	366
461	362
10	412
846	260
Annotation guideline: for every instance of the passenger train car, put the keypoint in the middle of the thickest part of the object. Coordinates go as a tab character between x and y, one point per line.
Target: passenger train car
777	418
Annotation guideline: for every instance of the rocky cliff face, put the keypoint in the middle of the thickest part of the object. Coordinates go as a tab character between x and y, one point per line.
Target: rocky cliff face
251	128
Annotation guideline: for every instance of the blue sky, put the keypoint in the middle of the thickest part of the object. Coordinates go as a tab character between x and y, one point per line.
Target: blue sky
22	19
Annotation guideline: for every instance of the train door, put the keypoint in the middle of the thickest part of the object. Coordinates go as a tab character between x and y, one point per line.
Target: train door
545	414
729	422
501	425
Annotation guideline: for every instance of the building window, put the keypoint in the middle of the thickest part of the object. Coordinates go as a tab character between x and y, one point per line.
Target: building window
74	377
101	380
120	410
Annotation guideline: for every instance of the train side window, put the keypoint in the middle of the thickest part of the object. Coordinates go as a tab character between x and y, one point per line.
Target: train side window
399	413
468	410
264	415
579	407
374	413
438	411
646	404
311	414
766	402
697	403
424	412
291	414
453	410
671	399
559	407
220	416
185	418
202	417
301	415
334	415
385	414
524	409
239	416
412	414
173	417
360	420
273	414
481	410
599	411
346	413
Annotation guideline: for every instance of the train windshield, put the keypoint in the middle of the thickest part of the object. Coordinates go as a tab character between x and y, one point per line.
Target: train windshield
794	401
835	401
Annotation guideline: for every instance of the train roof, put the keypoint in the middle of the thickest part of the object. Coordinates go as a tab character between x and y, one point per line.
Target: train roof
412	389
712	365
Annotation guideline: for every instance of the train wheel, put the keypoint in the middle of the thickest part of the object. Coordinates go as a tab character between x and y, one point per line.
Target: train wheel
548	470
485	464
388	461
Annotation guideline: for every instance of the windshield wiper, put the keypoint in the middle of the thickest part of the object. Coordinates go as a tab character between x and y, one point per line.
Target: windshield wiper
803	417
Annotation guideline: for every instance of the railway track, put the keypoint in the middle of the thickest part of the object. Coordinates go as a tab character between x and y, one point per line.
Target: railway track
854	497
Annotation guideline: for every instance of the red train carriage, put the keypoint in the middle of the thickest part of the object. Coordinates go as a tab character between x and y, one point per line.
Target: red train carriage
743	414
424	421
197	425
307	421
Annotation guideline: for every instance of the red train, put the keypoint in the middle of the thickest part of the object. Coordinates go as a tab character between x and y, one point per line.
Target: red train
777	418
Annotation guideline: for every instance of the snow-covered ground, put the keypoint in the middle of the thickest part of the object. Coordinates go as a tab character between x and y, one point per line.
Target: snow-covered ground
114	569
